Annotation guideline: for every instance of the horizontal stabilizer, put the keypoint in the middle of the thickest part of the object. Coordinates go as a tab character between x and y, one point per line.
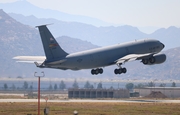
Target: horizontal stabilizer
29	62
29	58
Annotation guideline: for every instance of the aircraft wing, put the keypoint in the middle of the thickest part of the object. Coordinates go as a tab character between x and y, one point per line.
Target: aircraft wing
132	57
30	59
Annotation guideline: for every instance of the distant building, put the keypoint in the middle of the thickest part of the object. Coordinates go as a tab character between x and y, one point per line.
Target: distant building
170	92
98	93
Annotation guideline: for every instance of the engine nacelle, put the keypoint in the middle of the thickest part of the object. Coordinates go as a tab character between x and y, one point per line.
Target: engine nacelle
159	58
156	59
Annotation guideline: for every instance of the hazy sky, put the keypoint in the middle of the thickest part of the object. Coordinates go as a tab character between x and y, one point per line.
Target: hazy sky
158	13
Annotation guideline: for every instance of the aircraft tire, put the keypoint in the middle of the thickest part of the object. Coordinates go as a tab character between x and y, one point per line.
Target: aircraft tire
124	70
100	70
96	71
120	71
116	71
152	60
92	71
145	61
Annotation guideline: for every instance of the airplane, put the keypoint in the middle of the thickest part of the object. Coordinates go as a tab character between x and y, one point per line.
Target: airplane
146	50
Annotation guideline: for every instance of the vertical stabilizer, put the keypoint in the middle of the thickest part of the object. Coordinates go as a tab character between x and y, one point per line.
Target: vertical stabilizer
51	47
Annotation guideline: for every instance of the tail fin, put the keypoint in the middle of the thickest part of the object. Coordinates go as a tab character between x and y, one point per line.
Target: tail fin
51	47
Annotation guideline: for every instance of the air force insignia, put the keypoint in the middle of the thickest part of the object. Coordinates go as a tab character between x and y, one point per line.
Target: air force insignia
53	45
51	39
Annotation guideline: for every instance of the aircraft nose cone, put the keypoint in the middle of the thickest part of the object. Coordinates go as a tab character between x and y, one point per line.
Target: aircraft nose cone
163	45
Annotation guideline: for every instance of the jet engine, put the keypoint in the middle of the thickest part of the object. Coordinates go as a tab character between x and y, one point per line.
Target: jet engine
155	59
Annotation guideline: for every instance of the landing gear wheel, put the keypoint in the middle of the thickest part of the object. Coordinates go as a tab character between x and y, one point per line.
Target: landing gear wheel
124	70
101	71
116	71
96	71
120	70
92	71
145	61
152	60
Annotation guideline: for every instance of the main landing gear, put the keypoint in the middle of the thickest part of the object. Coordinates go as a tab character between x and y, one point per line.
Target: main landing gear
96	71
120	70
116	71
151	60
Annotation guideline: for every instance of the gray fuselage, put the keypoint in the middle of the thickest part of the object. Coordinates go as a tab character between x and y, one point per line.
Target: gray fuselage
105	56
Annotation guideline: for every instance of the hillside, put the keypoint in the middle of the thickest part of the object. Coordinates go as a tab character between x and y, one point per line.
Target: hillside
17	7
102	36
83	28
18	39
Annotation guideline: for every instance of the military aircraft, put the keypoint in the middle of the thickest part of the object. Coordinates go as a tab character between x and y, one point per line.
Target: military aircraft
146	50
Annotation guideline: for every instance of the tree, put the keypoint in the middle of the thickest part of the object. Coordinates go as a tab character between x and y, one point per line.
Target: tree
129	86
151	84
31	87
111	87
62	85
99	86
140	85
25	86
91	87
75	84
173	84
50	87
55	86
162	85
87	85
5	86
13	87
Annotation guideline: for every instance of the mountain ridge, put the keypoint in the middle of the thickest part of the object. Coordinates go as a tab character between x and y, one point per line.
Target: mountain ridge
103	36
42	13
26	41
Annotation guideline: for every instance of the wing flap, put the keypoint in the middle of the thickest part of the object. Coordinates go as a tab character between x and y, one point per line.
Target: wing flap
132	57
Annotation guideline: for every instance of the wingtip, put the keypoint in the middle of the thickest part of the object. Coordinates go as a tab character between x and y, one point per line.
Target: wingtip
16	58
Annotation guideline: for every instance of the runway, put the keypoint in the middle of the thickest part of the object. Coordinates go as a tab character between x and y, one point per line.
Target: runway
92	100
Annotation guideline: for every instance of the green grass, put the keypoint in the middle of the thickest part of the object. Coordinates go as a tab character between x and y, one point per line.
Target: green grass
92	108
